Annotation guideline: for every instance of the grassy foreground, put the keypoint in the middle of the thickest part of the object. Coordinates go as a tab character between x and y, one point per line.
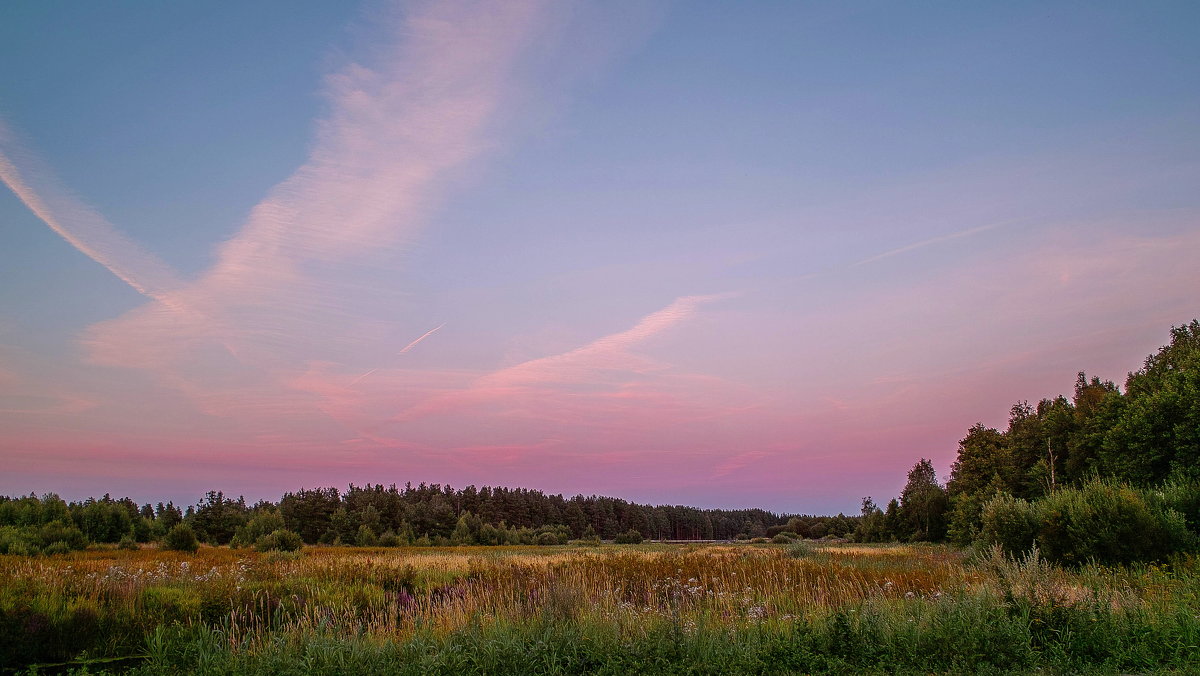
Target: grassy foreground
611	609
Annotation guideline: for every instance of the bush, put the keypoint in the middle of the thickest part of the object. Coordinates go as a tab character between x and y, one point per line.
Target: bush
1107	524
59	547
64	532
264	522
389	539
780	539
17	541
548	539
1183	497
1009	522
281	540
128	543
800	550
759	541
366	537
631	537
181	538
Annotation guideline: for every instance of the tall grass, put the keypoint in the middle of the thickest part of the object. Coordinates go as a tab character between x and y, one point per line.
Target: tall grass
712	609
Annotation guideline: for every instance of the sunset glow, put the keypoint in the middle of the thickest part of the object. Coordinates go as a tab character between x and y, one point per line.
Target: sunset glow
684	253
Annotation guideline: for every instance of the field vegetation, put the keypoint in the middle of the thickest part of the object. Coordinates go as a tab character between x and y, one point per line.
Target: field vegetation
739	608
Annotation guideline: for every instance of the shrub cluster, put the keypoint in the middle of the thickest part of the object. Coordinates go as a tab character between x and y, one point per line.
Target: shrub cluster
1098	522
630	537
181	538
55	537
281	540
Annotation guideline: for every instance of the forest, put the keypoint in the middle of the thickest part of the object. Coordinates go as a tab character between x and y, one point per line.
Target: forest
374	515
1110	474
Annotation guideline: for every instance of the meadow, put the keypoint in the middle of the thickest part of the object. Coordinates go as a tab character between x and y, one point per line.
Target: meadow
804	607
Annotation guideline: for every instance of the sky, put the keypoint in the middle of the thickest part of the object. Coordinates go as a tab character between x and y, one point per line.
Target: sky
761	254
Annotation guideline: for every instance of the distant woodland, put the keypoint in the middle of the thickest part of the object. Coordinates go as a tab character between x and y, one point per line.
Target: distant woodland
1110	474
389	516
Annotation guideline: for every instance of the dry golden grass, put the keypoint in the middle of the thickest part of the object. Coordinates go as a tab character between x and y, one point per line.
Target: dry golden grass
390	592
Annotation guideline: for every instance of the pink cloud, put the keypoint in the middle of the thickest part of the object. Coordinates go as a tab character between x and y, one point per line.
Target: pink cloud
539	384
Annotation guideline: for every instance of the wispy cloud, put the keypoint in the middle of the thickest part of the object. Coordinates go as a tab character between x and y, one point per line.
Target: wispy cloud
35	185
930	242
607	353
425	335
287	289
606	361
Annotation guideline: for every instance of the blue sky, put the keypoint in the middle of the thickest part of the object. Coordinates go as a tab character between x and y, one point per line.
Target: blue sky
847	231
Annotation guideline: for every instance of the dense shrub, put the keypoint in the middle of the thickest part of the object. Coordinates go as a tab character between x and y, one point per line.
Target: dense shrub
780	539
1103	523
366	537
282	540
1100	522
29	540
127	543
1009	522
1182	497
263	522
54	548
800	550
631	537
181	538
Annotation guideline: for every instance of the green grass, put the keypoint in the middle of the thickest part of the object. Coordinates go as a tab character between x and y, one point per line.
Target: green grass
618	610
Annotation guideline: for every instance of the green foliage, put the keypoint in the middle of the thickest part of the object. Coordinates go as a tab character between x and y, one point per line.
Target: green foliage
629	537
964	518
142	530
102	520
365	537
181	538
263	522
217	519
1158	433
281	540
308	512
589	536
1148	436
462	534
872	525
923	504
1105	523
1010	522
128	543
1098	522
1183	496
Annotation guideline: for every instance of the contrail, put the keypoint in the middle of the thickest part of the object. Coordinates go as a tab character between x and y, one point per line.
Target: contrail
427	334
408	347
79	225
355	381
932	240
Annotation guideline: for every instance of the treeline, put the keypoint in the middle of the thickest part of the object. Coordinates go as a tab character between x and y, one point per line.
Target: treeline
1069	474
375	515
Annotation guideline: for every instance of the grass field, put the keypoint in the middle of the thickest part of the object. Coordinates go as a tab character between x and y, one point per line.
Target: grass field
798	608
